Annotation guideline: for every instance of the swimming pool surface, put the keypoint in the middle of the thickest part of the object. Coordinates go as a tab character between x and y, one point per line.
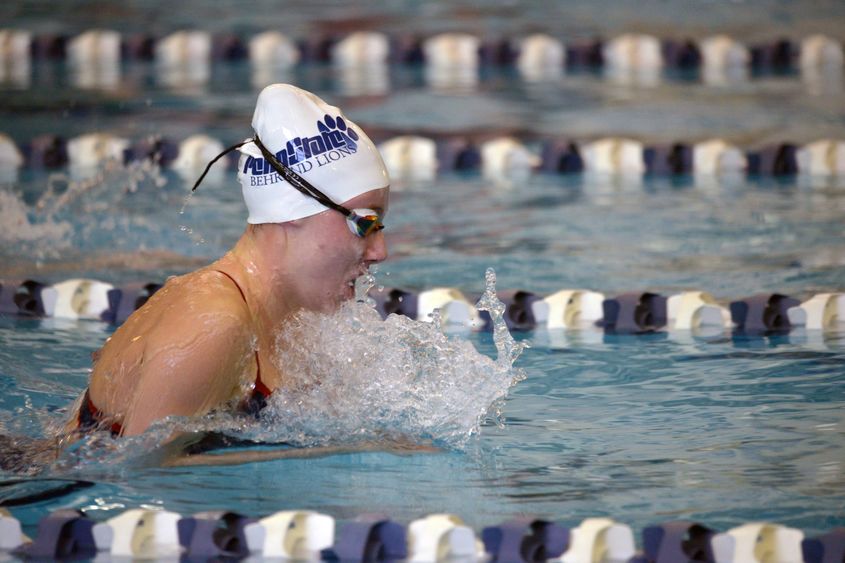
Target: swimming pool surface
641	428
723	429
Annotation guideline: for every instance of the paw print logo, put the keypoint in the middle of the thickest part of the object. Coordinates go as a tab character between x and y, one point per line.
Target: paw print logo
340	134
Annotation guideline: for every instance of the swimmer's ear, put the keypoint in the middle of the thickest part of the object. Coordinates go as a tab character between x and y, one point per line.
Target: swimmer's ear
215	159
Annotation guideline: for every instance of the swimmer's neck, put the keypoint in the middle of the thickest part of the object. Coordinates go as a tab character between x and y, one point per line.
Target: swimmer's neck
258	264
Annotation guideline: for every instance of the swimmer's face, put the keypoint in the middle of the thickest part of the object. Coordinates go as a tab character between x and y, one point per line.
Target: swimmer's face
331	257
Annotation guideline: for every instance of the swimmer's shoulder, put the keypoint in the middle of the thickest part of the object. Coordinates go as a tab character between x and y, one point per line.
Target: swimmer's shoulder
196	304
202	293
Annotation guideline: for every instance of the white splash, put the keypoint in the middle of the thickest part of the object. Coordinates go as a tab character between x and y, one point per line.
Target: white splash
508	349
16	224
49	227
358	377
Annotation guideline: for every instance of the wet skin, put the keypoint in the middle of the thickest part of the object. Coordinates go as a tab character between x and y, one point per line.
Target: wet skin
192	347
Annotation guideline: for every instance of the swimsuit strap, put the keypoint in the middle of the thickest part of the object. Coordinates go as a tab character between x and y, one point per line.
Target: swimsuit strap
260	387
241	291
260	392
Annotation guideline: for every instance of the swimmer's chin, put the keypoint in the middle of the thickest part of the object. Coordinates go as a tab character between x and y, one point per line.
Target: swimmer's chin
331	304
346	294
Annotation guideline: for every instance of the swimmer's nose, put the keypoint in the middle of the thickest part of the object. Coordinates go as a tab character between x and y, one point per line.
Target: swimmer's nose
376	247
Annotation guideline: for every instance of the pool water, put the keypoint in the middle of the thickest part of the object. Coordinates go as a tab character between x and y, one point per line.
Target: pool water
642	429
722	429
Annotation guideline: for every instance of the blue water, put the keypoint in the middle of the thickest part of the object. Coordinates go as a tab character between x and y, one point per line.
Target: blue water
642	429
722	430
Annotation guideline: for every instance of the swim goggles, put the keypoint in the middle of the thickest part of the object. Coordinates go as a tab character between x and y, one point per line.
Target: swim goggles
361	221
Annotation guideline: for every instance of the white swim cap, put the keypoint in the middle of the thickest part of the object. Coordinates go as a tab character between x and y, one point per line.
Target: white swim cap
316	141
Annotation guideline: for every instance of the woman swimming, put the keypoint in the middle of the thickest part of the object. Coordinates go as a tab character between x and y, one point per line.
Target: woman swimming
316	190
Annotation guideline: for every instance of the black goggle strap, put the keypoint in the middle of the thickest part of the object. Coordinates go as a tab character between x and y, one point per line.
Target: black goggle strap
215	159
298	181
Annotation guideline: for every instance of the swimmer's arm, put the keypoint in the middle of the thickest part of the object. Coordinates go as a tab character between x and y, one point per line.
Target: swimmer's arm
189	372
253	456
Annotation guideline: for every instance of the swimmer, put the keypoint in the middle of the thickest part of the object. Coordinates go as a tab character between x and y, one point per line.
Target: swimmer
316	190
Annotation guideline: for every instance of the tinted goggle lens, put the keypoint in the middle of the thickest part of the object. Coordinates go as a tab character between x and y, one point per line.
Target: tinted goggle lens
363	222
